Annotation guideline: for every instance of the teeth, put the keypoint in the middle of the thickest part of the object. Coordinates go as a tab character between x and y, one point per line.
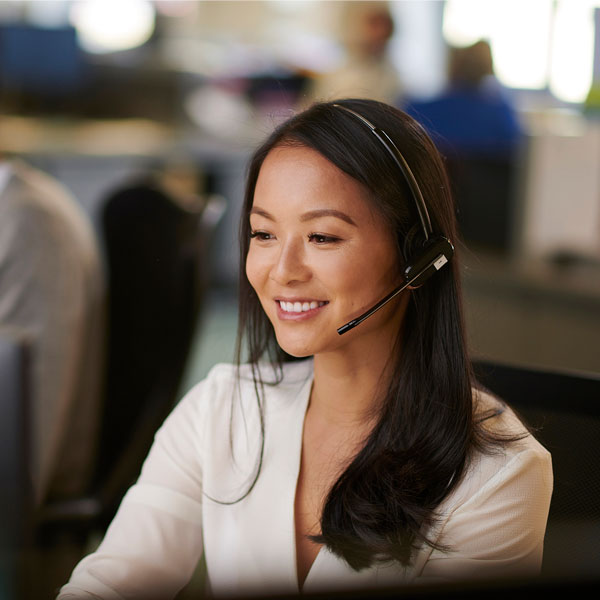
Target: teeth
298	307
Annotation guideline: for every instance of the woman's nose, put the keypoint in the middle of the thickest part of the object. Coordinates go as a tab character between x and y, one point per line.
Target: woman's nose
291	265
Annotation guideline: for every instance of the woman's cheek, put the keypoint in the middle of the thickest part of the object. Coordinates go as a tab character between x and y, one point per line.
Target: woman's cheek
253	268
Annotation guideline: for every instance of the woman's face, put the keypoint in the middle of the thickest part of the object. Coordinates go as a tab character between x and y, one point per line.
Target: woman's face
319	255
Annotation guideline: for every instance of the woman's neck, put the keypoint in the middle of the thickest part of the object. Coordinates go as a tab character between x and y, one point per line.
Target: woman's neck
347	389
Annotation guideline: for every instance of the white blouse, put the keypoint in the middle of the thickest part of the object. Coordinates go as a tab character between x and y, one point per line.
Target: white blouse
494	520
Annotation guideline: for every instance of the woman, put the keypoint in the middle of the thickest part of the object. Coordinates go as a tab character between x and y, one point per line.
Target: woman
373	459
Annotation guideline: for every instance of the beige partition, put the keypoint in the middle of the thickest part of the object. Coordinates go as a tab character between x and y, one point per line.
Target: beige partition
560	193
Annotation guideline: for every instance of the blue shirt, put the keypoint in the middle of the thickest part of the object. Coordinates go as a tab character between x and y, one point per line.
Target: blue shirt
469	120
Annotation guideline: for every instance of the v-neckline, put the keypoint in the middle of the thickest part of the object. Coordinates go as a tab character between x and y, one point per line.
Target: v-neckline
298	458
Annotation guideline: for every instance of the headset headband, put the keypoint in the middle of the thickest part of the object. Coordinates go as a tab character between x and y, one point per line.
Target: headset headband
396	155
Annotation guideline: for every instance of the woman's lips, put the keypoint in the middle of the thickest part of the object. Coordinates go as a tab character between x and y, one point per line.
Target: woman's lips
299	309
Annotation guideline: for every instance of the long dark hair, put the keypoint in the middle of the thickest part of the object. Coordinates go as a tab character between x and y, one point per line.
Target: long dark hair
382	505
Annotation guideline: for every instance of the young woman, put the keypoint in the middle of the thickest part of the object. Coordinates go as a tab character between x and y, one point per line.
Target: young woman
332	460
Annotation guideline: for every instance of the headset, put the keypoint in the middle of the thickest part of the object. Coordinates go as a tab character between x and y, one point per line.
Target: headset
437	250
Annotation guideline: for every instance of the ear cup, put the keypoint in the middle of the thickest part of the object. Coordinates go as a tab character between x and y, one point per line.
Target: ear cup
436	253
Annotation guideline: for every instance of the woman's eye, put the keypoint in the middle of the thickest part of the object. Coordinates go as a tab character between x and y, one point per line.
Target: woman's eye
260	235
319	238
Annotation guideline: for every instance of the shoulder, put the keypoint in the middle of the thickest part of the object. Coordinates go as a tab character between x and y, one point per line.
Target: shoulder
523	465
38	207
494	520
497	417
29	188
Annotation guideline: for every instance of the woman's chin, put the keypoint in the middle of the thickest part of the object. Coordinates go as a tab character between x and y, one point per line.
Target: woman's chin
296	353
296	348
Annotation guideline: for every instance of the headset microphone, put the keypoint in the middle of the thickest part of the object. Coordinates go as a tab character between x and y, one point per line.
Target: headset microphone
431	261
437	251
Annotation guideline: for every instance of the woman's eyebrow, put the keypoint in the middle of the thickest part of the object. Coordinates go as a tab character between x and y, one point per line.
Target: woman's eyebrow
308	216
255	210
326	212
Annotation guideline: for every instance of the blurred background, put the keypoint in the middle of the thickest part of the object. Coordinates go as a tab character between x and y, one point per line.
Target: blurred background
144	113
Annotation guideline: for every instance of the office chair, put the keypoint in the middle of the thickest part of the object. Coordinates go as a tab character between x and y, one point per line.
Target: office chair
563	408
16	495
484	189
157	269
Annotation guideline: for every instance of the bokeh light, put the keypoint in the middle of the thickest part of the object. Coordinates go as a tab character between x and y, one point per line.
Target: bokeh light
111	25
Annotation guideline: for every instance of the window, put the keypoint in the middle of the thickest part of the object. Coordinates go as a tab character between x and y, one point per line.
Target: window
537	44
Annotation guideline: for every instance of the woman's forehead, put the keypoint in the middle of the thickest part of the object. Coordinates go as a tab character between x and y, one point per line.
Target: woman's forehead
303	176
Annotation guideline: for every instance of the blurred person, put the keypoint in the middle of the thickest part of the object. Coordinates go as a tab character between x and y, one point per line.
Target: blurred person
473	115
476	127
353	448
52	288
367	71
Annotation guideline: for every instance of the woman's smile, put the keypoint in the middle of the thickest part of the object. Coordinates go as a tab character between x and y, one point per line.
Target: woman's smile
292	309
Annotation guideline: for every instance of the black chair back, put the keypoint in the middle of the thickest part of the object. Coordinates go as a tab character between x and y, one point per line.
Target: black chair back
156	278
563	409
484	189
157	271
